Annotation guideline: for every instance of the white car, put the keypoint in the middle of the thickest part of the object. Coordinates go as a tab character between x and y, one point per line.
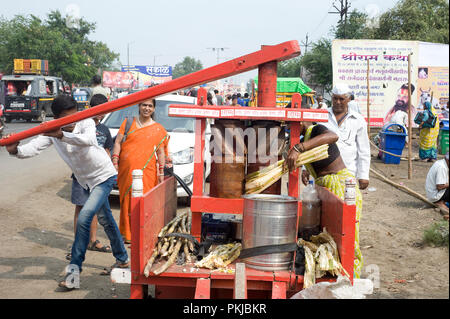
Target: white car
182	136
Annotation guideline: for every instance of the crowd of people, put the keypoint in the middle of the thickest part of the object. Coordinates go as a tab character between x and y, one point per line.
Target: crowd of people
97	164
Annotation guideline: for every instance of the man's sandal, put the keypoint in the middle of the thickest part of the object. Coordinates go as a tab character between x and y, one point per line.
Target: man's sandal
103	249
62	285
107	271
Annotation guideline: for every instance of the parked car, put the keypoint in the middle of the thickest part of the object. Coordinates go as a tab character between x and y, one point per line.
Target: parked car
29	97
182	136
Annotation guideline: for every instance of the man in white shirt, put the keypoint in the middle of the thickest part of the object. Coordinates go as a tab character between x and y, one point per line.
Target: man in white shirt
436	184
98	88
77	145
353	105
351	128
321	104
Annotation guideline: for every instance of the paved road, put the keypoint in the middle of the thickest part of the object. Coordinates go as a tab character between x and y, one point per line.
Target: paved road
18	177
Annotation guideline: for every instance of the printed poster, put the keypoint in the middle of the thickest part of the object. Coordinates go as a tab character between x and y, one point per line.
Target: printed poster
432	86
388	75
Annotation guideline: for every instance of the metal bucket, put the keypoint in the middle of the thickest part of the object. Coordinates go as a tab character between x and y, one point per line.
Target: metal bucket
269	220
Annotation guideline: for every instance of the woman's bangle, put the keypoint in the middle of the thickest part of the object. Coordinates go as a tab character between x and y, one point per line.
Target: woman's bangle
115	155
302	147
296	148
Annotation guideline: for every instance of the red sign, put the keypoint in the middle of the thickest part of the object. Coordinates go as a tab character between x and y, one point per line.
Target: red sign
122	80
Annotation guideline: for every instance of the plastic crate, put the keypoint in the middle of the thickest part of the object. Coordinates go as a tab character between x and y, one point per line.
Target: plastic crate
392	142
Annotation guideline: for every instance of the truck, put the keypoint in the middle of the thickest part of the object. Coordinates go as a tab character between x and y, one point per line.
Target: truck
29	91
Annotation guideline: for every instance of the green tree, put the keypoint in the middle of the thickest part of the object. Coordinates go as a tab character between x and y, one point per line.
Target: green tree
354	28
419	20
69	51
289	68
187	66
318	63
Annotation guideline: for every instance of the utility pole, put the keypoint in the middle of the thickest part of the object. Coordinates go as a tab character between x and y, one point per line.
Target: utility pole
218	52
305	44
342	11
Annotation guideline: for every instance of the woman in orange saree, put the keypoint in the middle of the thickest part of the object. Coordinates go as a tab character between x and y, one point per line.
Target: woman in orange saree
144	147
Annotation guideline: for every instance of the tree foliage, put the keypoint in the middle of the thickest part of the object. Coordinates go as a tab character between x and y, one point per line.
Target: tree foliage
419	20
187	66
415	20
318	63
70	53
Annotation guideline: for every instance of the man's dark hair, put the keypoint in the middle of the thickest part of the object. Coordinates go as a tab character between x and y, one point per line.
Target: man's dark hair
246	95
352	97
61	103
238	95
216	91
234	96
405	86
96	79
98	99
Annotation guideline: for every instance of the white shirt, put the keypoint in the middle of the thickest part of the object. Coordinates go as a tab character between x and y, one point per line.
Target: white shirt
399	117
353	142
437	175
88	161
353	105
101	90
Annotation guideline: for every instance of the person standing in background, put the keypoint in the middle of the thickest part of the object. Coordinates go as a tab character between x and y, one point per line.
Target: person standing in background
97	87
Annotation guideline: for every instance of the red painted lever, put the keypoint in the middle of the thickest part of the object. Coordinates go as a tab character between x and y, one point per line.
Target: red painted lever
280	52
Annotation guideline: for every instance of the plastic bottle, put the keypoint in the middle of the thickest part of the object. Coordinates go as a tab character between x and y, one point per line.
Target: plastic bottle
309	222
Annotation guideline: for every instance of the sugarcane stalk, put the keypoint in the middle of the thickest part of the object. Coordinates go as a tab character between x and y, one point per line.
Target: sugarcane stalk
165	246
186	251
170	224
171	259
150	262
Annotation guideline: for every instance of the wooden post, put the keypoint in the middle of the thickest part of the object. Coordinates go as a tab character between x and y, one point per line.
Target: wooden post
368	101
409	119
137	291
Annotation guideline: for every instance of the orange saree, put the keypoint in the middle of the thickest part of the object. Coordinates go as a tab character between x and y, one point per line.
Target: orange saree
138	152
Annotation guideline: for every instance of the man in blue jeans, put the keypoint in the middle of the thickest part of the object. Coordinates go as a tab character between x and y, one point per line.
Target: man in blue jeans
77	145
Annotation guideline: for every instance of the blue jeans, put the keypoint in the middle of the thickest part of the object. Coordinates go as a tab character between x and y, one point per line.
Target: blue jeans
98	203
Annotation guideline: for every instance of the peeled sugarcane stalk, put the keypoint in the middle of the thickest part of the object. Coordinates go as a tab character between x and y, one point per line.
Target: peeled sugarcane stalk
304	243
259	181
220	257
309	277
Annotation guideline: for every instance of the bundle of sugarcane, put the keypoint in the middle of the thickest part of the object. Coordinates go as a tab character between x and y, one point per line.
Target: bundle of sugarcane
325	257
257	182
168	248
221	256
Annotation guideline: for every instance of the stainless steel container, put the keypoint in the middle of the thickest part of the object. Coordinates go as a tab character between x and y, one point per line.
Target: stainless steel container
269	220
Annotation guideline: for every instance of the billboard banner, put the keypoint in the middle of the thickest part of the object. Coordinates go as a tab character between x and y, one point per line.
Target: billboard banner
146	75
123	80
432	85
387	61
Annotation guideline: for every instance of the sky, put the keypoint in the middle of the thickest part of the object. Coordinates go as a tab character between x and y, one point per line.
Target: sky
163	32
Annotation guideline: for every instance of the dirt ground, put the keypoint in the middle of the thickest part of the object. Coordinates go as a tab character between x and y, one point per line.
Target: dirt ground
36	231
